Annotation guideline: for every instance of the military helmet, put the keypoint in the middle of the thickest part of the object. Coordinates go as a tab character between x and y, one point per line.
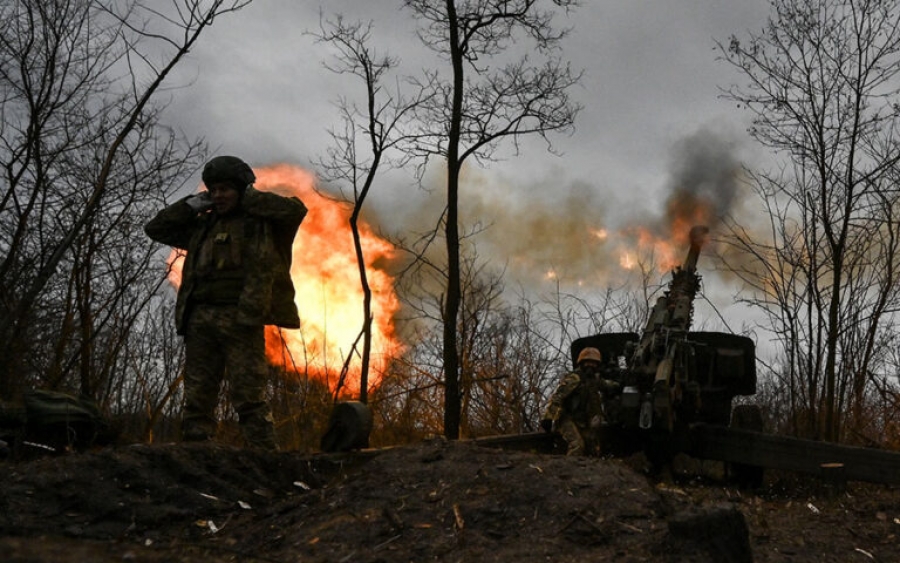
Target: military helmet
228	169
591	354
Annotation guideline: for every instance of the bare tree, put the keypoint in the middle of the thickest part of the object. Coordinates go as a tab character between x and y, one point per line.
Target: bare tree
821	84
360	148
83	155
147	399
480	105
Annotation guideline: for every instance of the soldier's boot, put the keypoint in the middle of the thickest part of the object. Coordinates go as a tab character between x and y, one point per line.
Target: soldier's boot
197	428
257	426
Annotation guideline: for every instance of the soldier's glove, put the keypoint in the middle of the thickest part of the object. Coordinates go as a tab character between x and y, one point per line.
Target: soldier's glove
200	202
547	425
611	387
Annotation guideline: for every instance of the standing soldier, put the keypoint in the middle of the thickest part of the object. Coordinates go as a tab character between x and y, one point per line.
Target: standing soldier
576	407
235	280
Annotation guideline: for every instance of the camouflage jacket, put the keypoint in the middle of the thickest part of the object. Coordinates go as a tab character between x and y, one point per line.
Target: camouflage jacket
578	398
270	224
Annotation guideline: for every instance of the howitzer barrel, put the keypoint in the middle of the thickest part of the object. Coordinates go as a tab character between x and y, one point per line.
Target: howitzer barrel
697	240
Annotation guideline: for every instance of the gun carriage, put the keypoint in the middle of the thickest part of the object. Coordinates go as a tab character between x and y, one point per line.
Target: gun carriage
671	377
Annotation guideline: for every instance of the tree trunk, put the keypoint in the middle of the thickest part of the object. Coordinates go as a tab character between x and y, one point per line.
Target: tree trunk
452	404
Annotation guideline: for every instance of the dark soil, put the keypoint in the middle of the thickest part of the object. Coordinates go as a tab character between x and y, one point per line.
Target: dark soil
434	501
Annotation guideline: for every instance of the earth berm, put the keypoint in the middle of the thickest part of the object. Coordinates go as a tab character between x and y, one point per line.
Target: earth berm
432	501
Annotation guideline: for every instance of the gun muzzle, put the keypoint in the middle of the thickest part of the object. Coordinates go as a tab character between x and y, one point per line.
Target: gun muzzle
698	239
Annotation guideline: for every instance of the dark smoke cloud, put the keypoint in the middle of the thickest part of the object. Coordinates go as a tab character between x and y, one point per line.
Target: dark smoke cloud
705	174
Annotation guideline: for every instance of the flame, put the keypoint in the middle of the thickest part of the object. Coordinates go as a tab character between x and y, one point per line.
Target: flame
600	234
328	291
668	242
628	259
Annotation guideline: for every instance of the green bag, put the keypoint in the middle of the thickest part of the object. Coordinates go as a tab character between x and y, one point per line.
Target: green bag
61	420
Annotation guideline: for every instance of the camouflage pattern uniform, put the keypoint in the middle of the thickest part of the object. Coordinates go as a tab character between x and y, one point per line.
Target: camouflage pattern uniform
575	411
235	280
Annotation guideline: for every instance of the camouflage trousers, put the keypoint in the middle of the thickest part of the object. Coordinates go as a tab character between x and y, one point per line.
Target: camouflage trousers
217	349
580	441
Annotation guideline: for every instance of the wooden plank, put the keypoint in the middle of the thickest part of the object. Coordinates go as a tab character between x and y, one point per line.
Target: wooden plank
793	454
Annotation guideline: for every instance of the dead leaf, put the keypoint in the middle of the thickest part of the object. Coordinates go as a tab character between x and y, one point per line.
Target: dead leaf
460	523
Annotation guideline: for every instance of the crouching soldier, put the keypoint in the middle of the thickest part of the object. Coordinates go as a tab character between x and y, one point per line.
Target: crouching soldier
575	410
235	280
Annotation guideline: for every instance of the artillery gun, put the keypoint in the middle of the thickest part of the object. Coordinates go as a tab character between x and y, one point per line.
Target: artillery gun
671	377
676	393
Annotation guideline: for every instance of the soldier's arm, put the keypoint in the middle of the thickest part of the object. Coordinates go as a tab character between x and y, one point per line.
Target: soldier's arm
566	387
173	225
286	211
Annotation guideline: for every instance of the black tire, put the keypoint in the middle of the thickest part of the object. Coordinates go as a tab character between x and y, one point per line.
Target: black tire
747	417
716	409
348	428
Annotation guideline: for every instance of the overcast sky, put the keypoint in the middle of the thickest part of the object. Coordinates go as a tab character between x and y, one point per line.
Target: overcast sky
257	89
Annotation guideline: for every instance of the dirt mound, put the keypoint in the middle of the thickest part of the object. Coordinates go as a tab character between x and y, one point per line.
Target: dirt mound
435	501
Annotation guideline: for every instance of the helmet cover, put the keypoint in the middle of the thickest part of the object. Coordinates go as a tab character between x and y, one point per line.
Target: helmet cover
228	169
590	354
